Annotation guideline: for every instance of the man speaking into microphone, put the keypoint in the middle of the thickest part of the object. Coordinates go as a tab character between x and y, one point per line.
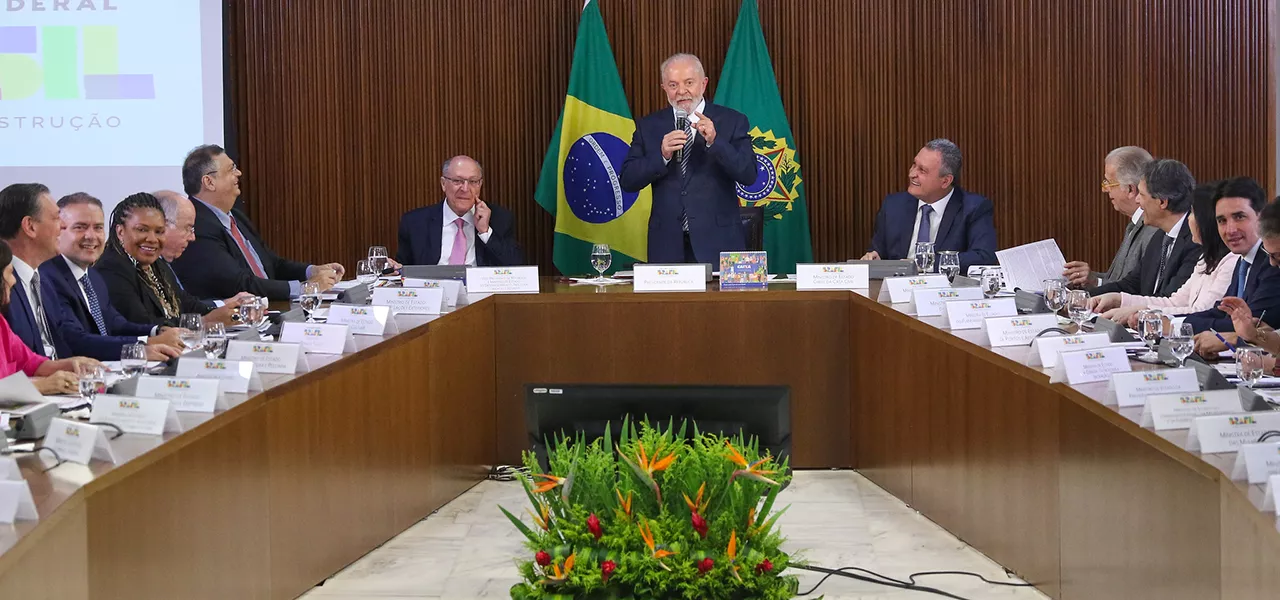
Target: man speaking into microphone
692	154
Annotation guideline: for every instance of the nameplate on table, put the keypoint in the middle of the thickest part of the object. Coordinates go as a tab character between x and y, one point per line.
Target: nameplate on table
1272	495
1089	366
410	300
1227	433
234	376
1045	350
78	442
452	288
969	314
897	290
9	469
670	278
835	276
187	394
930	302
1132	389
1163	412
1257	462
363	320
1017	330
498	280
16	503
319	338
147	416
270	357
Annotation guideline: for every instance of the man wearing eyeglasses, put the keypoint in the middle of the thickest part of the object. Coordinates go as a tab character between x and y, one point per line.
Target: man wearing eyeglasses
1122	170
461	230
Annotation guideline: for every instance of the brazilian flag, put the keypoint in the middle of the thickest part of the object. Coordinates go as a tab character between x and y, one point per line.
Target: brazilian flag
748	85
579	180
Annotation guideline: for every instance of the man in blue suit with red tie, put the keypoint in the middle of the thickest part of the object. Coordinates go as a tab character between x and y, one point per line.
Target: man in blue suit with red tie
694	169
935	209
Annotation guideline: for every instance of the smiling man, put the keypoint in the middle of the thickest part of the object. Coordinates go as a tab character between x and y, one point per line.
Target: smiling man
935	209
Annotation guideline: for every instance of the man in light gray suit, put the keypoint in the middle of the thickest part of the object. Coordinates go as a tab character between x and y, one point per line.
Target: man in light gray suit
1122	170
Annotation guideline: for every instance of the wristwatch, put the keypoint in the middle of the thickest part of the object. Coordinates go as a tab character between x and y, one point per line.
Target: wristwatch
235	316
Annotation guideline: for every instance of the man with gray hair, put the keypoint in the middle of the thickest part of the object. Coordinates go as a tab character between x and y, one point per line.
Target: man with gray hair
462	229
1121	172
935	209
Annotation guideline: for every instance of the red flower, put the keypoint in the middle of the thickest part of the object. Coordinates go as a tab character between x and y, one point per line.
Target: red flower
764	567
606	569
593	525
705	565
699	525
542	558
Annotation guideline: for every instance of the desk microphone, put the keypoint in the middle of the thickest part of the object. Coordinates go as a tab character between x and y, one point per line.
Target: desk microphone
682	123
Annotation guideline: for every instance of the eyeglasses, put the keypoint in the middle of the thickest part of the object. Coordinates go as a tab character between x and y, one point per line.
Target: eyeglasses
460	182
1106	185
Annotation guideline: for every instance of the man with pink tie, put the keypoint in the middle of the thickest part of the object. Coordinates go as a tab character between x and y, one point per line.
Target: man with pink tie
461	230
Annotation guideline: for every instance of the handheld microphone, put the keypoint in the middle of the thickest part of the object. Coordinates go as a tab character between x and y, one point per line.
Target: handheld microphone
682	123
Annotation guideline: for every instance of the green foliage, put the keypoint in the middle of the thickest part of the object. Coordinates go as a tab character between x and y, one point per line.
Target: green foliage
661	472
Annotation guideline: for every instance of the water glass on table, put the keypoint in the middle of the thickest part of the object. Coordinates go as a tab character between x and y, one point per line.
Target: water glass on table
92	382
215	340
990	284
1055	294
1182	343
1151	327
378	259
191	324
309	300
601	260
924	257
366	274
1078	308
1250	365
949	264
133	358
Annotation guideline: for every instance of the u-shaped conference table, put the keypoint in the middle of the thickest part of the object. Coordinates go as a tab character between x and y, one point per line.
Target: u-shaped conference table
291	484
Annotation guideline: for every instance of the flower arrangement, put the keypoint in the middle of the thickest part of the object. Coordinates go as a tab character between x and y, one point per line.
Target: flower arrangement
654	516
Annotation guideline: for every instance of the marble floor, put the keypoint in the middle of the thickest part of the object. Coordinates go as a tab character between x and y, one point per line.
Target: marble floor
838	519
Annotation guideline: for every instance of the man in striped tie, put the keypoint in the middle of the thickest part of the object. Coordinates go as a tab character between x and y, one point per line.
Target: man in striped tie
694	154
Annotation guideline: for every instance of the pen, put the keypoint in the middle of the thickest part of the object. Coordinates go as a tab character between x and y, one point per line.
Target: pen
1223	340
1260	318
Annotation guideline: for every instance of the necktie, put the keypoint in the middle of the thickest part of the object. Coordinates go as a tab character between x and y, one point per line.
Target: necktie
1165	246
1242	277
923	234
459	254
94	308
684	169
249	256
45	338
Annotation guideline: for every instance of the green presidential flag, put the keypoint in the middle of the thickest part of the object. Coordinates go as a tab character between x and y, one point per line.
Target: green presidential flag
748	85
579	180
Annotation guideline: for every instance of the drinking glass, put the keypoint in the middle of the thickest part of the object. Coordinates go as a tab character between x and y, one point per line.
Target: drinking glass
1055	294
990	284
215	340
365	272
924	257
1078	307
133	358
309	300
1249	365
191	324
1151	326
1182	343
949	264
250	312
378	258
92	382
601	259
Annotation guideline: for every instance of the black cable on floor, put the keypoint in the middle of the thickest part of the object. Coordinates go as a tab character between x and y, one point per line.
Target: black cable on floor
910	584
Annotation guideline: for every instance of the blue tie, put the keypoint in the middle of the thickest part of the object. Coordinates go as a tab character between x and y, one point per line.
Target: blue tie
94	309
923	234
1242	276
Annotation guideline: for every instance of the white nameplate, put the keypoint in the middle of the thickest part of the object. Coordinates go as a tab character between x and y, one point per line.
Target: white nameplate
1044	350
147	416
1269	500
670	278
234	376
16	503
1132	389
1176	411
363	320
929	302
969	314
270	357
186	394
496	280
1088	366
78	442
1227	433
452	288
9	469
898	289
1257	462
1017	330
319	338
410	301
835	276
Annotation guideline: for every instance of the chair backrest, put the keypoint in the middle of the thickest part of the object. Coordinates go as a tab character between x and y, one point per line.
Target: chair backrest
753	226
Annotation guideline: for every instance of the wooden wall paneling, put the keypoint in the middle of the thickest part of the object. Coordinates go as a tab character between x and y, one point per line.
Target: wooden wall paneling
1249	547
52	564
885	404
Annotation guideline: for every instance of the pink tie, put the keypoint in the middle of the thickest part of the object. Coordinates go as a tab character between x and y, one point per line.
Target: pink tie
459	254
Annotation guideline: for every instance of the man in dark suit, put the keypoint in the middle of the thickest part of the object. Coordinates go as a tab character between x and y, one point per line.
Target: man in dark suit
694	171
1168	260
29	223
462	229
1121	172
88	321
228	257
935	209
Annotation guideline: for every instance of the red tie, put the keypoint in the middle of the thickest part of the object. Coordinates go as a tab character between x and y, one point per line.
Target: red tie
244	249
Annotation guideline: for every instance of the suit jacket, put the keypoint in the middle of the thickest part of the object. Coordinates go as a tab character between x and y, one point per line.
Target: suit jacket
1261	293
421	228
134	298
1178	268
708	196
76	322
23	320
213	266
1129	256
967	227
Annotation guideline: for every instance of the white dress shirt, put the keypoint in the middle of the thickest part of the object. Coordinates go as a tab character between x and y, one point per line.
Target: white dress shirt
24	272
1137	217
78	273
450	230
935	219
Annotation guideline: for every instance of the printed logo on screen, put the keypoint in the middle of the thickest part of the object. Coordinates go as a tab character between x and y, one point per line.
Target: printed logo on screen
129	404
178	385
1155	377
1095	355
1197	399
67	62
